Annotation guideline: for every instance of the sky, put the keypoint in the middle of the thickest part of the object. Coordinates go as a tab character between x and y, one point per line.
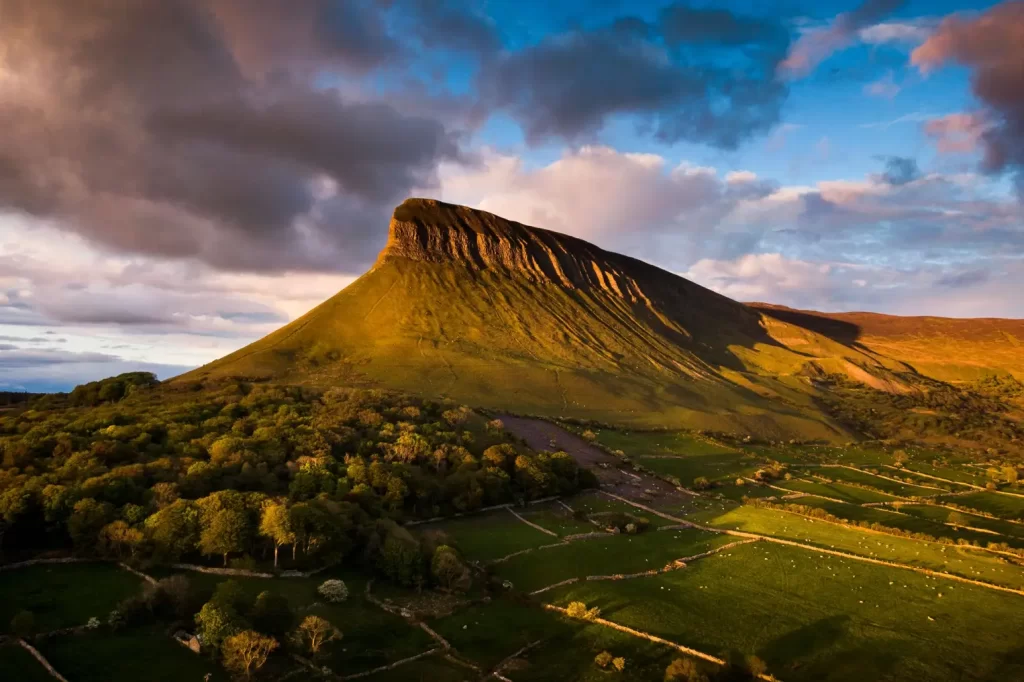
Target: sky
180	177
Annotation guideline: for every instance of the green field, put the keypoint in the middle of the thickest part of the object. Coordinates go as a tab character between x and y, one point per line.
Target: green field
643	443
885	485
128	656
556	518
487	634
371	636
838	491
936	527
488	536
599	504
429	669
817	618
64	595
1003	506
961	561
606	556
724	467
18	665
961	474
941	514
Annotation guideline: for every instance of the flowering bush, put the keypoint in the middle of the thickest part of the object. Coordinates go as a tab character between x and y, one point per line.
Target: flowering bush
333	590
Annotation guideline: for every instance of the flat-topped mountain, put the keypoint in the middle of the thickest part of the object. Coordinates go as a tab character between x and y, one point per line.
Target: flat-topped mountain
465	304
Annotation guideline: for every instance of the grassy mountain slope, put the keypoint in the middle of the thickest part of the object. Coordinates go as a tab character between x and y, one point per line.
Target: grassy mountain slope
947	349
464	304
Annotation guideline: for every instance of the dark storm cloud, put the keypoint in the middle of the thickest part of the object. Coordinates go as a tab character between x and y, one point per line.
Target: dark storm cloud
900	170
192	128
991	46
570	84
442	24
963	280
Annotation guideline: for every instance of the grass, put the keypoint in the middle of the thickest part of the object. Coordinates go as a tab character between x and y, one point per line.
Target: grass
487	536
64	595
961	561
429	669
722	467
599	504
130	655
18	665
641	443
556	518
941	514
953	473
884	484
838	491
372	637
605	556
934	526
488	633
1003	506
813	618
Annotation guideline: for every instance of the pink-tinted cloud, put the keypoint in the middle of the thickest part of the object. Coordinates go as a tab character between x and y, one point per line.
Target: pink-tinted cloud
957	133
817	45
992	46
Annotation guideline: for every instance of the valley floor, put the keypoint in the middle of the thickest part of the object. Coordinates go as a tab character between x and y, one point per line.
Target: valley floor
838	566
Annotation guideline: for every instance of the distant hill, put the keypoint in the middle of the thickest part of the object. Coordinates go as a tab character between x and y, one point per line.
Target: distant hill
464	304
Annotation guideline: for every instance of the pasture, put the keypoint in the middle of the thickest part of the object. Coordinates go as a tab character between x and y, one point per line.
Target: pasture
886	485
63	595
606	556
969	563
1003	506
18	665
847	493
488	536
817	618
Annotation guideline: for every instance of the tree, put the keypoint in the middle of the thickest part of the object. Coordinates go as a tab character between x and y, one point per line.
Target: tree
684	670
314	632
118	537
275	524
900	457
956	519
448	570
333	590
603	659
701	483
174	530
272	614
619	663
226	532
1010	474
216	622
246	652
86	520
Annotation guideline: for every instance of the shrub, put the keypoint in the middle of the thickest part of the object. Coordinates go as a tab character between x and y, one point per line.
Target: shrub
619	663
603	659
590	435
333	590
684	670
701	483
578	609
23	624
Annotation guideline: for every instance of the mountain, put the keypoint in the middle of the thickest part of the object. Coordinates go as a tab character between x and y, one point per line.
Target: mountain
464	304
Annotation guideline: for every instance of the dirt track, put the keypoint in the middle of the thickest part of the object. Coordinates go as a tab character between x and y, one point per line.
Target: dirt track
542	435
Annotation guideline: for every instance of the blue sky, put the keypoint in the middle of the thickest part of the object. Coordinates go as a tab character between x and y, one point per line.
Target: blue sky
222	169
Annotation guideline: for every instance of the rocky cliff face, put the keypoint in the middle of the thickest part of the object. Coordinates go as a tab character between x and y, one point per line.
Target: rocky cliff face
433	231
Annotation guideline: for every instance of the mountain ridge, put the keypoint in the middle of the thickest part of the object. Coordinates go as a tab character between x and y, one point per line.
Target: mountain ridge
464	304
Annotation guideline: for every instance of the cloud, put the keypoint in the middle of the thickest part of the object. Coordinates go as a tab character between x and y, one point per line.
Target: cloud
204	130
817	45
883	87
902	32
664	75
900	170
959	133
992	46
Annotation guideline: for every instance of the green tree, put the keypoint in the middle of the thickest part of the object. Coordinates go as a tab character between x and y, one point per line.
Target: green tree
684	670
174	530
313	633
216	621
448	570
226	531
87	518
275	524
272	614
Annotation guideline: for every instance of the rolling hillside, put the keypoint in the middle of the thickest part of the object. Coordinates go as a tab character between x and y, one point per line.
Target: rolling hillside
464	304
